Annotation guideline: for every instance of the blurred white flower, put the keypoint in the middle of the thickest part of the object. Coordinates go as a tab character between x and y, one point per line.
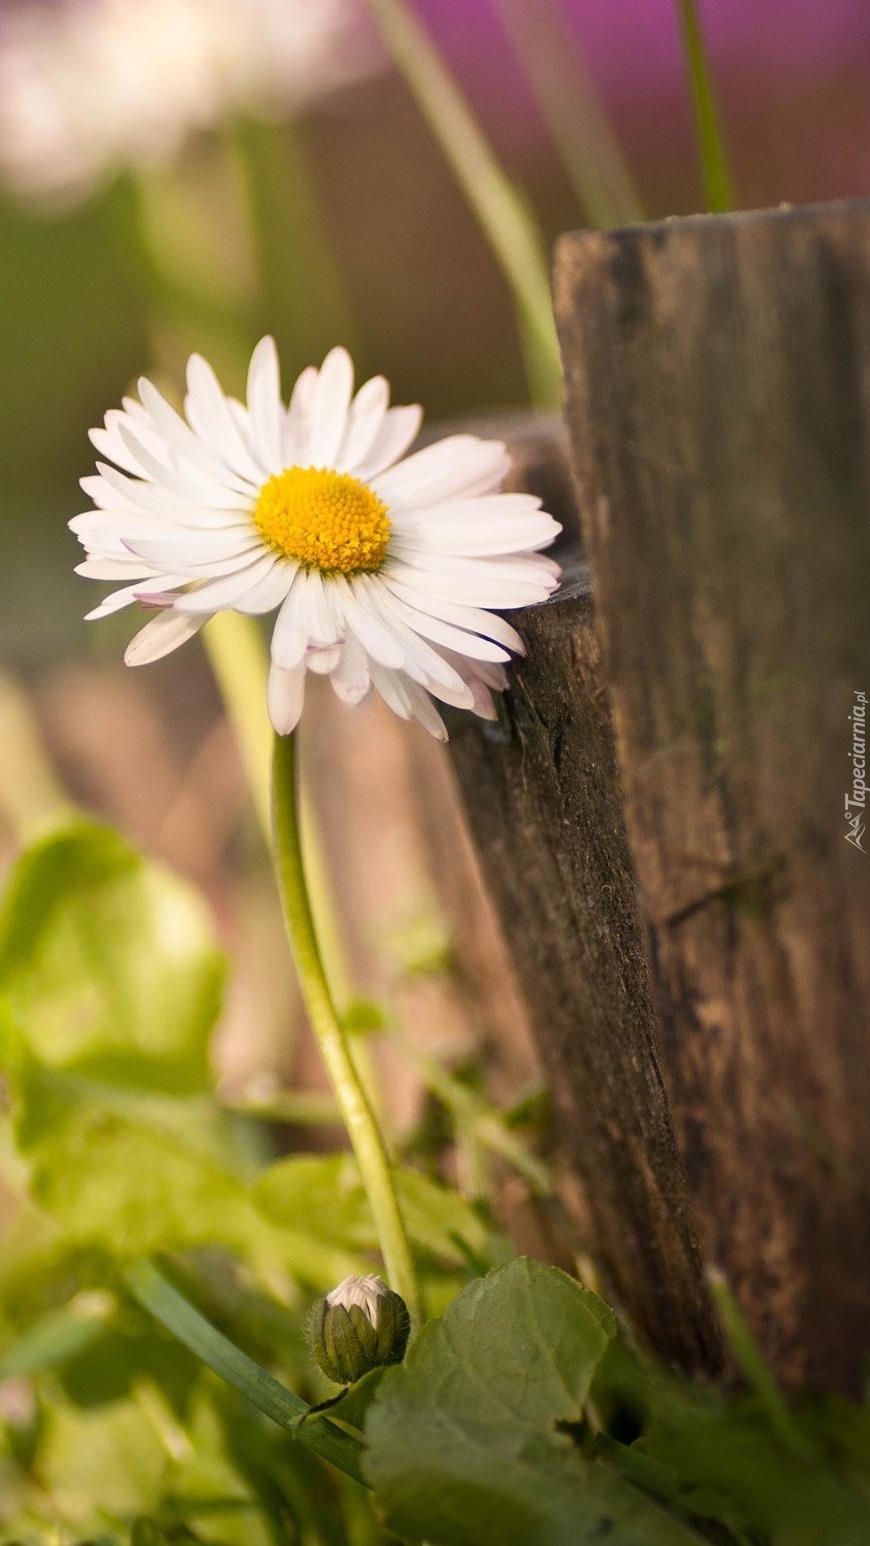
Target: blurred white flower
87	86
383	566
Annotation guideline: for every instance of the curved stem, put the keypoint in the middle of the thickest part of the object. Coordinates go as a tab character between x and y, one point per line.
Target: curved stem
239	661
549	55
362	1128
302	297
503	215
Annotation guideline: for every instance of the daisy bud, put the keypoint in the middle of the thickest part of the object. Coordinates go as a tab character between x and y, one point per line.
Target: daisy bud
359	1326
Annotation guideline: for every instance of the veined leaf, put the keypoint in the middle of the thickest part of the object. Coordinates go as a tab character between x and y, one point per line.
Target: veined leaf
328	1188
108	963
469	1439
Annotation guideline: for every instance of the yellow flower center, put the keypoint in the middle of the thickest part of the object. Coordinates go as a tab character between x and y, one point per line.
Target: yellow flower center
324	520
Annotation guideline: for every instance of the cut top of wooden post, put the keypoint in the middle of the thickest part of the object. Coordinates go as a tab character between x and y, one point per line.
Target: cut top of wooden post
718	398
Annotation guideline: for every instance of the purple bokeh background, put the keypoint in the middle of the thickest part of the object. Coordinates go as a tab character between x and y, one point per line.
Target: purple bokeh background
634	45
793	77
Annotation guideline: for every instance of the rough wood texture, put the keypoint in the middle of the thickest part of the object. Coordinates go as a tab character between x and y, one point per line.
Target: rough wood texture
718	397
544	807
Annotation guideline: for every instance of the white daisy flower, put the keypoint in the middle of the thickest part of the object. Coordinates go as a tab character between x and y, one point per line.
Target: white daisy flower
87	86
383	567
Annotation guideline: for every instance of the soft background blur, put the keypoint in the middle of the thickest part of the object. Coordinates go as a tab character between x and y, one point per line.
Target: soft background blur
310	200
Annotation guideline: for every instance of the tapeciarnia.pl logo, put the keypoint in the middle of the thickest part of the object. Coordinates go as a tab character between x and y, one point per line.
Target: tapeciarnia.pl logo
855	803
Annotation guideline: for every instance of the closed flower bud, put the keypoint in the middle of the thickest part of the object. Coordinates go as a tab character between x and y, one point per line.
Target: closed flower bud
359	1326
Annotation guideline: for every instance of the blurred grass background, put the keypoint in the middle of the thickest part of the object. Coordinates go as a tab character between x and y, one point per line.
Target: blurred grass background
407	279
343	222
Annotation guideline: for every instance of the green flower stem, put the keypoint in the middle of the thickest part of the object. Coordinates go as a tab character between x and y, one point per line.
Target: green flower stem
565	94
478	1123
503	215
153	1290
240	663
301	288
717	178
362	1128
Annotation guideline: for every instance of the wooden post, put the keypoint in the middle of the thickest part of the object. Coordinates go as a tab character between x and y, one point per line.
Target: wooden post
544	807
718	400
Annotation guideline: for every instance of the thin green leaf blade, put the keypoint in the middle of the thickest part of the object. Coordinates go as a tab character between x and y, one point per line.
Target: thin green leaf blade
156	1294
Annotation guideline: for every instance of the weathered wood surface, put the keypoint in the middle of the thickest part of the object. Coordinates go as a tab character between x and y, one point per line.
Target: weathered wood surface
544	807
718	399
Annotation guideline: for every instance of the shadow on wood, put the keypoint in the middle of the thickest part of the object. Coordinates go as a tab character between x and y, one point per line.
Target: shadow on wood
544	807
718	398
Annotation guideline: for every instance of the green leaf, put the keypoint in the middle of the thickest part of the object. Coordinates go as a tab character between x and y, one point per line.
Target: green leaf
163	1300
469	1439
328	1189
731	1461
146	1533
108	963
109	987
129	1174
100	1460
57	1337
209	1491
121	1174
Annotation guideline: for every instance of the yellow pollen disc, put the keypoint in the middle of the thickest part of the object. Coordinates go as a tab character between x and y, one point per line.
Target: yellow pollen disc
324	520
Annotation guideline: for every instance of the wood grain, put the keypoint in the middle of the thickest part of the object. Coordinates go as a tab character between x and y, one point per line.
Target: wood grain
544	806
718	400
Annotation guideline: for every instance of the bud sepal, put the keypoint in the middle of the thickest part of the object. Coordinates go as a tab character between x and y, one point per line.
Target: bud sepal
361	1325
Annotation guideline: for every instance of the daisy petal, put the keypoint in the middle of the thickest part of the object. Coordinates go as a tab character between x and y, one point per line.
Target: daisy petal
464	581
364	420
494	525
286	693
234	548
425	712
316	617
269	592
460	465
130	594
391	686
439	632
351	679
160	637
264	404
476	619
323	660
112	569
329	408
214	595
209	414
423	663
289	639
187	446
399	430
377	640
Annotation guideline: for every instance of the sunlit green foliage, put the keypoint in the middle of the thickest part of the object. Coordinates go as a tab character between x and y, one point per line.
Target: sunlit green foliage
521	1414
